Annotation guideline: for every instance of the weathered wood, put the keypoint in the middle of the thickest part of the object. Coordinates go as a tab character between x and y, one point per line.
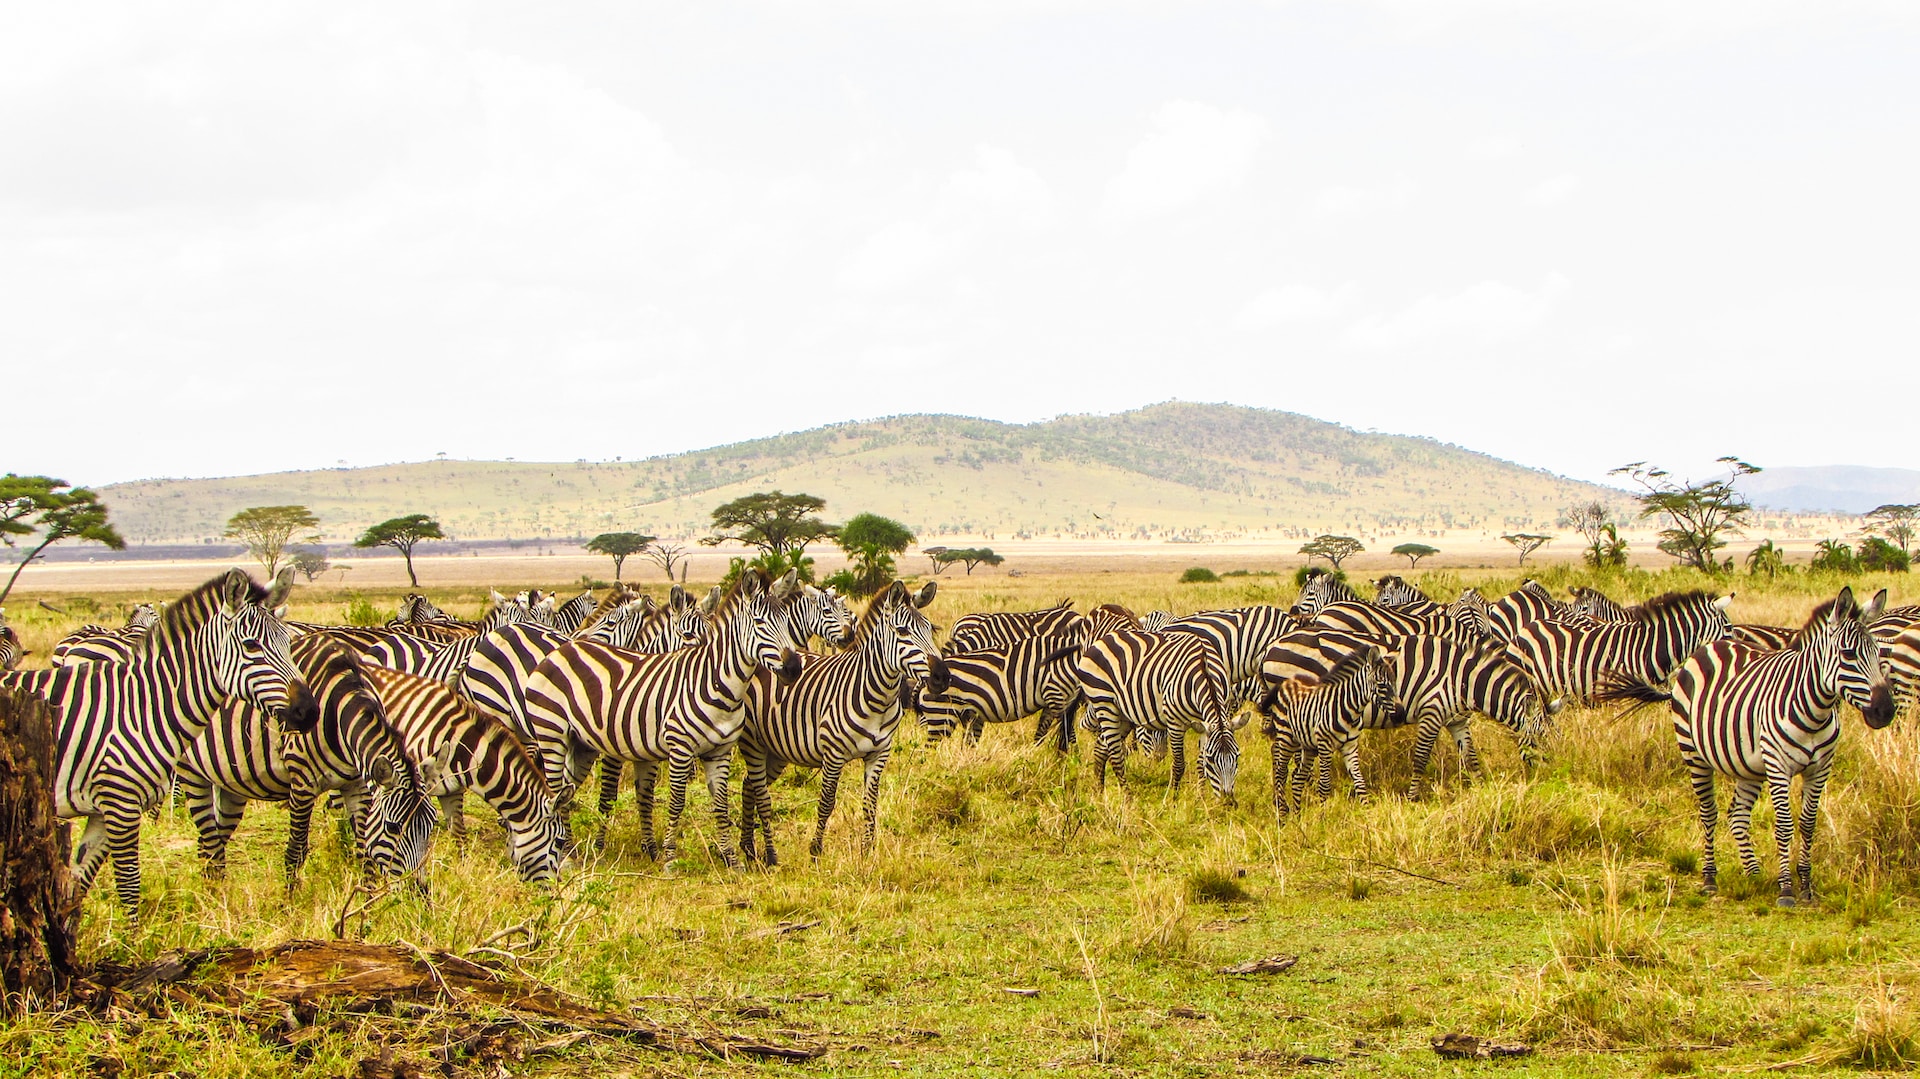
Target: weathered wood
36	925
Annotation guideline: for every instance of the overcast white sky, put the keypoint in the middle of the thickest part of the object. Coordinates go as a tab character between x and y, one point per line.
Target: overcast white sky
257	237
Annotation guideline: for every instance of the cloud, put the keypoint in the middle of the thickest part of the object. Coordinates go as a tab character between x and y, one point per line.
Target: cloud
999	183
995	192
1555	191
1334	204
897	254
1287	304
1195	150
1481	314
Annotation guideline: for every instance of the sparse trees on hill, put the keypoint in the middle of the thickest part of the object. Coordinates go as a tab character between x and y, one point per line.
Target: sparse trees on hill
1335	549
1414	552
401	534
55	510
1699	516
268	530
311	563
1527	543
619	546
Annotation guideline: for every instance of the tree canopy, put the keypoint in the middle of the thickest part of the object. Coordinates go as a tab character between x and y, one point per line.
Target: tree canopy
1527	543
619	546
870	542
55	510
402	533
1414	552
968	556
268	530
1895	521
1335	549
1699	517
774	522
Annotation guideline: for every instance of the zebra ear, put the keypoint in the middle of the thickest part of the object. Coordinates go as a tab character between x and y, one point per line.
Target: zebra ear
494	597
1724	601
787	585
677	598
282	585
713	600
1875	607
435	767
1239	721
925	595
380	773
236	591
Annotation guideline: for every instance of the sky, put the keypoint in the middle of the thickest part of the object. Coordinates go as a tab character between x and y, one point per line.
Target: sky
254	237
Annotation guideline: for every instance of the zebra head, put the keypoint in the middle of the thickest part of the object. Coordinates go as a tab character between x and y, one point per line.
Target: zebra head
142	617
401	814
1849	655
1320	588
10	650
539	851
822	613
249	650
1220	753
1394	591
1469	612
753	617
1596	605
896	621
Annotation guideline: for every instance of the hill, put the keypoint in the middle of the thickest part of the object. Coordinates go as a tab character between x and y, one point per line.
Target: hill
1170	471
1832	488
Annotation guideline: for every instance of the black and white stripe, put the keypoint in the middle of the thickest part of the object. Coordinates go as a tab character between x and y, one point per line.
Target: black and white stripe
1319	719
1569	660
1321	589
1531	602
1167	682
997	629
1005	684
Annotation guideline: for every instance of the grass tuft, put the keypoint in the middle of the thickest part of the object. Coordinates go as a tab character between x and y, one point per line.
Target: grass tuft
1215	886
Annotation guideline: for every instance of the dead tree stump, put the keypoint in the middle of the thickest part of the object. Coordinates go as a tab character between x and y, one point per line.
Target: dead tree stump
36	931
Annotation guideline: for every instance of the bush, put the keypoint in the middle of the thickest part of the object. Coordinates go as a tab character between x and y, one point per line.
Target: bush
362	612
1199	575
1835	556
1215	886
1878	555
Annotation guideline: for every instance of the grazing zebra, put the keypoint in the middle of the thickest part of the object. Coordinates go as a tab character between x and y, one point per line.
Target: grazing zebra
11	651
1437	683
1369	620
475	752
122	725
1001	685
1321	719
1571	660
1168	682
588	700
242	757
1762	717
1531	602
445	662
1321	588
997	629
1241	636
90	643
840	709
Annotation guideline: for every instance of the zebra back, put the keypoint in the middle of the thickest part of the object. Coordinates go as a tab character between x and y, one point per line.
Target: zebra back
1394	591
1531	602
1001	685
996	629
1594	604
1369	620
1240	634
1574	659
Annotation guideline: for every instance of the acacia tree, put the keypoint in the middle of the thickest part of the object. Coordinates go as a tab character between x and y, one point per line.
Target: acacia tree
967	556
780	525
312	563
1895	521
401	534
665	555
619	546
933	554
1699	516
1527	543
870	542
1335	549
1414	552
54	509
268	530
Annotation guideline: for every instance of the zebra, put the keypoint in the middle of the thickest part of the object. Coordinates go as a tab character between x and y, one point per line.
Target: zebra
242	757
1468	611
1571	660
445	662
822	613
122	725
1241	636
1531	602
1369	620
417	609
568	617
91	643
1155	621
1320	588
1765	638
1437	682
475	751
1396	592
840	709
1001	685
1595	604
1322	719
1168	681
588	700
11	650
1761	718
997	629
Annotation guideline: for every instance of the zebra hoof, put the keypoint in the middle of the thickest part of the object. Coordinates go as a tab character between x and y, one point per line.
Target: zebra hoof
1788	901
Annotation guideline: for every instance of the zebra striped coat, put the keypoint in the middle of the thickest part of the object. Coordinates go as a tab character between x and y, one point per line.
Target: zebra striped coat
1572	660
589	700
123	725
1241	635
1322	719
1761	718
1167	682
1531	602
11	651
1002	685
90	644
243	756
1321	589
1368	620
445	661
997	629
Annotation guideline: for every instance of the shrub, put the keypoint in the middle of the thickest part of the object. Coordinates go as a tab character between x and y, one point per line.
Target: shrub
1879	555
362	612
1215	886
1199	575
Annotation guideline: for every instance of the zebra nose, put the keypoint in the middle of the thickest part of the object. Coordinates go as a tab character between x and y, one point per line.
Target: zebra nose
301	711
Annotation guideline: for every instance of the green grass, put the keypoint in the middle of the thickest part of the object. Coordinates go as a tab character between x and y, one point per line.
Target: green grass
1560	909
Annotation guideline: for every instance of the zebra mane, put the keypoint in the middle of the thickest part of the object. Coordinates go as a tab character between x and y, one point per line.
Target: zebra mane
1664	602
187	614
724	609
1349	663
1119	609
881	600
1820	614
612	601
328	651
1065	603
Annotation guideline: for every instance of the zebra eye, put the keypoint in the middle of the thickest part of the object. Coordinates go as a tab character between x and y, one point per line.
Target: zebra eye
393	827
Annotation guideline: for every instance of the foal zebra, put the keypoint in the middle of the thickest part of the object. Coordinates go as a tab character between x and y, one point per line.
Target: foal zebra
1168	682
1322	719
1762	717
589	700
1571	660
840	709
123	725
242	757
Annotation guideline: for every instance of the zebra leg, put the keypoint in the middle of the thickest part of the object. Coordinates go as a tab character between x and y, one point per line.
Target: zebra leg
1323	773
1469	755
222	815
300	801
976	726
876	764
1350	752
1812	786
1740	823
763	805
1281	750
645	774
679	775
1297	788
1423	743
453	809
92	853
1780	792
1042	726
1700	774
610	770
717	768
123	842
1177	744
830	770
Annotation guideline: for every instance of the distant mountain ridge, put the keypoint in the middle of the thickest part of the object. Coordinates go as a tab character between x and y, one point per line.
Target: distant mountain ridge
1173	470
1831	488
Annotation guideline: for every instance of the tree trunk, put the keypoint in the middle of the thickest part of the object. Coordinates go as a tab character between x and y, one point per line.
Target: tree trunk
24	563
36	932
411	579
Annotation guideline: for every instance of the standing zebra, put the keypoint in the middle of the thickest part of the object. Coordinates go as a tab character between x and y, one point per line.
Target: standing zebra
1241	636
90	643
840	709
1531	602
122	725
445	661
1001	685
1369	620
1762	717
568	617
589	700
477	752
1320	720
1570	660
997	629
1321	588
11	651
242	757
1167	682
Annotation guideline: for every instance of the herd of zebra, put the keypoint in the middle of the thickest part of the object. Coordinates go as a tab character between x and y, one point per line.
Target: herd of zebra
222	698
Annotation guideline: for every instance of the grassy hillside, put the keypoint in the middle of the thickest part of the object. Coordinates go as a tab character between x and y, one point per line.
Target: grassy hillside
1162	472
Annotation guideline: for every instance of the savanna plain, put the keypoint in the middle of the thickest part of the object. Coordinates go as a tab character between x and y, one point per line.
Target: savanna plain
1015	918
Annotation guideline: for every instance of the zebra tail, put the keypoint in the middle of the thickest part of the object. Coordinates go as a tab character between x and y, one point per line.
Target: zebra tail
1615	688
